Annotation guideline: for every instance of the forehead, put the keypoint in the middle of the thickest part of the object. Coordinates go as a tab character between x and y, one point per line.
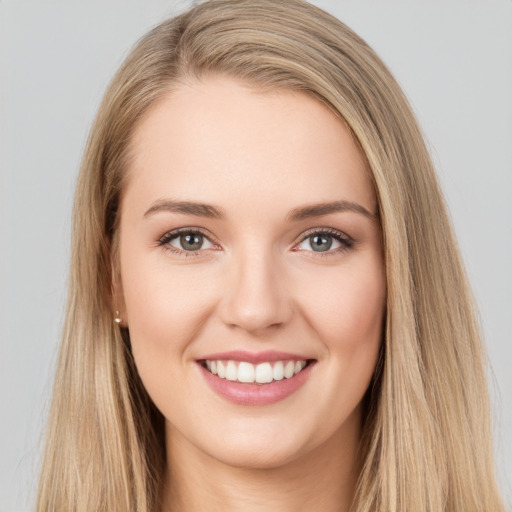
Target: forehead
225	142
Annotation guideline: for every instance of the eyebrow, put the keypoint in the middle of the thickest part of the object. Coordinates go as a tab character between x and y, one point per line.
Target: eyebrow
319	209
297	214
186	207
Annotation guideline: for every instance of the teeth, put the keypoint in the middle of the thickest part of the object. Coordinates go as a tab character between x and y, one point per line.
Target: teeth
221	371
262	373
289	369
231	371
246	372
278	371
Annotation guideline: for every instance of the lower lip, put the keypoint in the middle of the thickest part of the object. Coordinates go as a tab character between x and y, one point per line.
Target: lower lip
256	394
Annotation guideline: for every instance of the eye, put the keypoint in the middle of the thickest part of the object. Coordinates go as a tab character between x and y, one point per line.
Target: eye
326	241
185	241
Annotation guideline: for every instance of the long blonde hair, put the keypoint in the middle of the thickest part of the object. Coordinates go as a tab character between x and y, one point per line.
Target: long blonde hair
426	443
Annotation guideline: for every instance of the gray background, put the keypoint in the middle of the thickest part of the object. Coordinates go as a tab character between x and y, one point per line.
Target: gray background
454	60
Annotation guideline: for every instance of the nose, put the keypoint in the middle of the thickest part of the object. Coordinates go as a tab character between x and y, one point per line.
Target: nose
255	299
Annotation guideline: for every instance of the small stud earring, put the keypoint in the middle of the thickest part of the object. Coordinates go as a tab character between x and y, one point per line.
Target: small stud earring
117	318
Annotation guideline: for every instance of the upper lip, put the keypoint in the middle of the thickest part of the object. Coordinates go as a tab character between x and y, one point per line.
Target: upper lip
254	357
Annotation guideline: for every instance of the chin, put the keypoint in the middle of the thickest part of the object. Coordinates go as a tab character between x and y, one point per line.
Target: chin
252	458
247	450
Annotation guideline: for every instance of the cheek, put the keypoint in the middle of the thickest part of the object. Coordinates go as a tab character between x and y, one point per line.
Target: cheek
348	318
163	301
162	314
347	308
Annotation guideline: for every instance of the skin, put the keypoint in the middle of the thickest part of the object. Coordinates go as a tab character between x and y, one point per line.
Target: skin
256	284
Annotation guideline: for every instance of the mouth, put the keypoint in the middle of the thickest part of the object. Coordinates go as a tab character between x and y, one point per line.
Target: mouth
255	379
264	372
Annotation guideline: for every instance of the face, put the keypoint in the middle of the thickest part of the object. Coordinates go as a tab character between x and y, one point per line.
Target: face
251	272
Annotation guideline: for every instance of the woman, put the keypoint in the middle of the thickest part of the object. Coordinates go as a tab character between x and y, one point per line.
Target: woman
267	309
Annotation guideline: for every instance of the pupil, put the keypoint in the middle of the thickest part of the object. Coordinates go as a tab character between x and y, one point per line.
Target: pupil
320	243
191	242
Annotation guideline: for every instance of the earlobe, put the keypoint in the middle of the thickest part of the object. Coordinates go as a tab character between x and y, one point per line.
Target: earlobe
119	310
117	299
117	319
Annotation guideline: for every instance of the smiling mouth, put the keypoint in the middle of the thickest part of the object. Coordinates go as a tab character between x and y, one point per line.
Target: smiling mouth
262	373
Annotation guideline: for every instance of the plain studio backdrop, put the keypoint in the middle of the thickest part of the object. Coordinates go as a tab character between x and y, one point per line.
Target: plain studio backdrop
454	61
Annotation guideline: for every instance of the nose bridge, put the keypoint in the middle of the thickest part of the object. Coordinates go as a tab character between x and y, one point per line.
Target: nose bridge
255	296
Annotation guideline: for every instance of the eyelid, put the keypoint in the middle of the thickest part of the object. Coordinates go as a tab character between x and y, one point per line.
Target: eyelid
328	231
164	240
346	241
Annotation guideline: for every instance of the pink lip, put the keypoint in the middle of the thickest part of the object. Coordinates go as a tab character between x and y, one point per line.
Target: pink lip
255	394
254	358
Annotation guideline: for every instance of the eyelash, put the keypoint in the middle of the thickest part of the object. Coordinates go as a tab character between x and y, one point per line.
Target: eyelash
171	235
345	241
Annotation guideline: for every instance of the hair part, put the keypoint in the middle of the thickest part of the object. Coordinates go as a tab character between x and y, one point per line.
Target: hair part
426	442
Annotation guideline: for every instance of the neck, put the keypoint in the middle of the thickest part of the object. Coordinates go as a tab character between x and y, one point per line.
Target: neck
321	480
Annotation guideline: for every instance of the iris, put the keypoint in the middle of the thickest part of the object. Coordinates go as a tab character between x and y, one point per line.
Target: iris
320	243
191	242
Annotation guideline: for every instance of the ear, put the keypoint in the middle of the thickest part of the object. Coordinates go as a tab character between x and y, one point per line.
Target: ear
119	313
